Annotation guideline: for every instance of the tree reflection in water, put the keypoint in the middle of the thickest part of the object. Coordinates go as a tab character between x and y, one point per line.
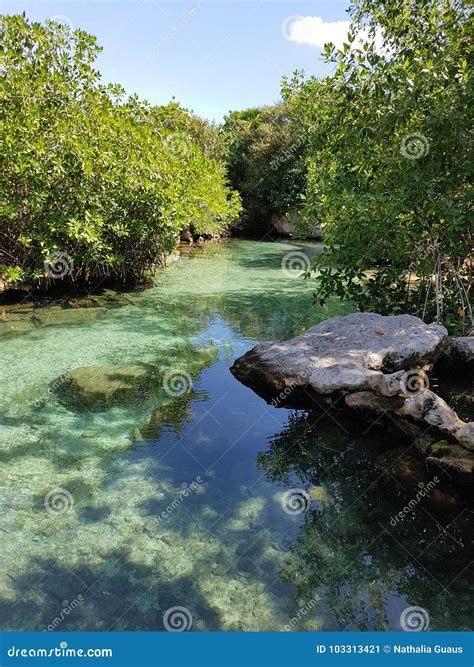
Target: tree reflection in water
349	554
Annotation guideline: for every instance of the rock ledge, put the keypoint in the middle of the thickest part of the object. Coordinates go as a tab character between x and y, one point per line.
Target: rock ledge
378	365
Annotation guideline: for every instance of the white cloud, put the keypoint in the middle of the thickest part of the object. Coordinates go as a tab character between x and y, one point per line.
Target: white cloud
315	31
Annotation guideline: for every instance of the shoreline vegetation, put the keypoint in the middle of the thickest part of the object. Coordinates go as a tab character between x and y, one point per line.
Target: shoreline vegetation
95	184
101	187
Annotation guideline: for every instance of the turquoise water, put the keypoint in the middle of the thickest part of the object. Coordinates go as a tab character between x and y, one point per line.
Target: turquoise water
112	516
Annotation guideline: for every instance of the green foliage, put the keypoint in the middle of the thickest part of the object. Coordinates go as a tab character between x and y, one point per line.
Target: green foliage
86	171
390	168
265	155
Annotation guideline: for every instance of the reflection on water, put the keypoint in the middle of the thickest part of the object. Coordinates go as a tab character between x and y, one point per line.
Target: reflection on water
176	499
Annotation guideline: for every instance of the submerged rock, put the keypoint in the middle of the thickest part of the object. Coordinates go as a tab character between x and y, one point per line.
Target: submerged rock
457	469
15	325
57	316
377	365
100	387
409	477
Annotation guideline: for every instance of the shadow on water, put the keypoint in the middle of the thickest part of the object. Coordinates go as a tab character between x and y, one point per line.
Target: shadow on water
57	597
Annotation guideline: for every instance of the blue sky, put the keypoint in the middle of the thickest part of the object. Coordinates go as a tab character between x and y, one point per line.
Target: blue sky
211	55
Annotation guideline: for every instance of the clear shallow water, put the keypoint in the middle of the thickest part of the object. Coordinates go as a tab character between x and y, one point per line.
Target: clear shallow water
176	500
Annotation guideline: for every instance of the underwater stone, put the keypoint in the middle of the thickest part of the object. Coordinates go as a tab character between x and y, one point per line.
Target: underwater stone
100	387
55	316
457	472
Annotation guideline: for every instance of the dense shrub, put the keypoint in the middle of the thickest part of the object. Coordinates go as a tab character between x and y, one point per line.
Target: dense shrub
108	180
265	154
390	159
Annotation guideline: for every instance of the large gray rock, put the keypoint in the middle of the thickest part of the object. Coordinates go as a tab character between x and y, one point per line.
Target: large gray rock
377	365
352	353
287	225
430	409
